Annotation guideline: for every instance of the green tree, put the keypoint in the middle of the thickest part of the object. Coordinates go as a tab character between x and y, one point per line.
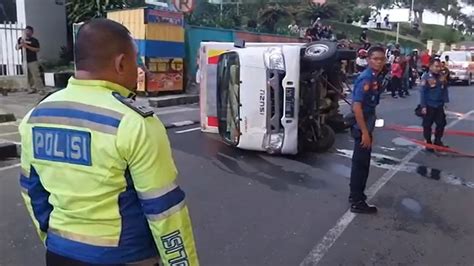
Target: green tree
82	10
312	11
449	8
270	16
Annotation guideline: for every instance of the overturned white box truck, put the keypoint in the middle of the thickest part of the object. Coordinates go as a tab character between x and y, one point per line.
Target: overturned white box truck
275	97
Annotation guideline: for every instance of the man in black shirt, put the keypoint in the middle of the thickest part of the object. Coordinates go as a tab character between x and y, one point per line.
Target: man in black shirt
32	47
364	40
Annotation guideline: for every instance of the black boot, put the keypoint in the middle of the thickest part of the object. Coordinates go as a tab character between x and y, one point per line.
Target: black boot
363	207
429	149
352	200
440	143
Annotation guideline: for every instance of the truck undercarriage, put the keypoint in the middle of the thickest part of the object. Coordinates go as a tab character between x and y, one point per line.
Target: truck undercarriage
321	87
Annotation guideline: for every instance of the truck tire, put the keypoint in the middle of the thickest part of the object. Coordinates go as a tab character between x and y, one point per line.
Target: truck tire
327	140
320	53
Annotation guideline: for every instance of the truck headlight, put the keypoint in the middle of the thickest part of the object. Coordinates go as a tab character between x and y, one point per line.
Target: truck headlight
274	59
273	143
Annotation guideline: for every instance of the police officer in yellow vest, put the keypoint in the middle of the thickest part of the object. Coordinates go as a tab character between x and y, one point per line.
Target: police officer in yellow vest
98	177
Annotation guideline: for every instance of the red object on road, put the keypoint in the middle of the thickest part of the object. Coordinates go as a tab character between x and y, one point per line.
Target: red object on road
419	130
440	148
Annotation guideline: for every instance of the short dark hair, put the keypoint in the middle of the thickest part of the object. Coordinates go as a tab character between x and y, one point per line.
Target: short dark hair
98	41
434	60
29	28
375	49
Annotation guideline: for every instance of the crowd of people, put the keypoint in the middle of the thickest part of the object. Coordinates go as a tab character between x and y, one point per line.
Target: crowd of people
317	31
401	70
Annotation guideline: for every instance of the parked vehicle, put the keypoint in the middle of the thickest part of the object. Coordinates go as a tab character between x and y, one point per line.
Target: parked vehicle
461	66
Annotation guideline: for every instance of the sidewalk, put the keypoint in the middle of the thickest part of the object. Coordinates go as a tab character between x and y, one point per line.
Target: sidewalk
16	105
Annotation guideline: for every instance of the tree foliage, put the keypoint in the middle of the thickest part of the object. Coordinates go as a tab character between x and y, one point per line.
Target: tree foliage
270	16
82	10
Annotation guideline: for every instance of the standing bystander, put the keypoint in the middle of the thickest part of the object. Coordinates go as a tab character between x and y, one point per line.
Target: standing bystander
32	47
397	75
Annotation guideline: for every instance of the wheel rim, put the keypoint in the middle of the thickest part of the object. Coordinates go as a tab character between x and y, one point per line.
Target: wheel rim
316	49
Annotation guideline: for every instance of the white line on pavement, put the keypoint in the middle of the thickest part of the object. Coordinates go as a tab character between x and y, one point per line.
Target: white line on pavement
323	246
10	167
188	130
183	123
9	141
178	110
15	123
8	134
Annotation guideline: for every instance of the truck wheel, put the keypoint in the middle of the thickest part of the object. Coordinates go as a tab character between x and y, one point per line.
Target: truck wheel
327	140
320	52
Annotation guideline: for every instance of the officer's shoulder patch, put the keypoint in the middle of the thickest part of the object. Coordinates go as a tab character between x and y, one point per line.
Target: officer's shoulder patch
366	87
143	110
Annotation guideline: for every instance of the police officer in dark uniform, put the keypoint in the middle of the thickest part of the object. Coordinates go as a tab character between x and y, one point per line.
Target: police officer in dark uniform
366	96
433	97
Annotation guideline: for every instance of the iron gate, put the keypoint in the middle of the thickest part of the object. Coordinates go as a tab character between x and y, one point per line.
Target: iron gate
13	69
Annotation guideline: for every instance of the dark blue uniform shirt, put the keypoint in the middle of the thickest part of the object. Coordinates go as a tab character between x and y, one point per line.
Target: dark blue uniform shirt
367	90
433	92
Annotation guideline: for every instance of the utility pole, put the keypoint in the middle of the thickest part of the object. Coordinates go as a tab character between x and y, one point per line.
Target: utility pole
412	9
222	7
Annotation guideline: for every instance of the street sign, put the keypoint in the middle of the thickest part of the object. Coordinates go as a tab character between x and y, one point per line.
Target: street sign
184	6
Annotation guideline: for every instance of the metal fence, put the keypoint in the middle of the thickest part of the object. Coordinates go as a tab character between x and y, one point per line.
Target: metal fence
13	70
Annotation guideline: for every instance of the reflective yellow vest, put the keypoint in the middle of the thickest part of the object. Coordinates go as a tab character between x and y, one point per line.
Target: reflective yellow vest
98	179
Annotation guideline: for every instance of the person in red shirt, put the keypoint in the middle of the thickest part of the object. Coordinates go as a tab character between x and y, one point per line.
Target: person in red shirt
397	75
425	61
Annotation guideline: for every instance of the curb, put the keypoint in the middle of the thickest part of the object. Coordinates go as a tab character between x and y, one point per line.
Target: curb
173	101
8	150
181	124
8	117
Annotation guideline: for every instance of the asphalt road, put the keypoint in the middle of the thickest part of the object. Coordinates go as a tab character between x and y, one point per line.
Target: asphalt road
253	209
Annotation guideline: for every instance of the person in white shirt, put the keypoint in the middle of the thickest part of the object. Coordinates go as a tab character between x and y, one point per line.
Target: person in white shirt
361	60
378	20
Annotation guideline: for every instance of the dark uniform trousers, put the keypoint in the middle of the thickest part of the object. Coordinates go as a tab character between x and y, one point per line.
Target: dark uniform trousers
360	168
434	115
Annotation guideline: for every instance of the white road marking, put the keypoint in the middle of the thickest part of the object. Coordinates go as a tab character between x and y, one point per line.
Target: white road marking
10	167
14	123
323	246
188	130
9	141
176	110
183	123
9	134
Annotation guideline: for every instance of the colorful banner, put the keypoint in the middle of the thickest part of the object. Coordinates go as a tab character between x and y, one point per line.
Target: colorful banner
159	16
